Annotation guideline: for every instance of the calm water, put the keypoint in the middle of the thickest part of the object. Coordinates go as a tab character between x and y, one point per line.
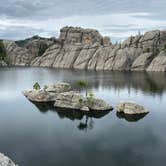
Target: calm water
39	136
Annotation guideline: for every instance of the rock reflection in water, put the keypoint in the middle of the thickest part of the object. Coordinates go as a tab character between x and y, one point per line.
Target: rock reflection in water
86	118
152	83
130	118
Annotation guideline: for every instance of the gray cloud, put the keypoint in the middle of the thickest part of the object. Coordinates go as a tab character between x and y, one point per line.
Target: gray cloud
62	8
47	16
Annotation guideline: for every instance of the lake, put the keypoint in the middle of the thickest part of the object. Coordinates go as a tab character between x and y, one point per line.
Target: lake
39	136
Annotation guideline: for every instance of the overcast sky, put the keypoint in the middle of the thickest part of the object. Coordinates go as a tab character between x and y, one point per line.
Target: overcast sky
115	18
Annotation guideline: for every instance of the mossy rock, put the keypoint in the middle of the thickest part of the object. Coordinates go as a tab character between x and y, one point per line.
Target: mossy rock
2	51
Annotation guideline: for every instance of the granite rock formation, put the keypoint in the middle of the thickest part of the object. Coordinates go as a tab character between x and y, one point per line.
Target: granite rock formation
5	161
61	95
79	48
131	108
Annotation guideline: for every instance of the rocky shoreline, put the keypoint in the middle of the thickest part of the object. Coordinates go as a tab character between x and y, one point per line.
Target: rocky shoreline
5	161
78	48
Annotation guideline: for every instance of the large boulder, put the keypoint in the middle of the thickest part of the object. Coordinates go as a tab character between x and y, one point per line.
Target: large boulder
158	63
98	105
141	63
70	100
39	96
58	88
131	108
72	35
5	161
48	93
76	101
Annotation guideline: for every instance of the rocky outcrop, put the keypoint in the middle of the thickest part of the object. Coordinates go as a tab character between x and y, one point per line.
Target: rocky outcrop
36	45
63	97
17	56
21	53
158	63
5	161
74	100
58	88
131	108
142	62
78	48
48	93
39	96
87	49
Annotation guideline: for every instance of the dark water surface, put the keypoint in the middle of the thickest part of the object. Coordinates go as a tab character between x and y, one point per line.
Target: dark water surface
41	137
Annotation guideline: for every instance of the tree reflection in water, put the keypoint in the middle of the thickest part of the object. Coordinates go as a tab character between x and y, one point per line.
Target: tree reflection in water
88	124
86	118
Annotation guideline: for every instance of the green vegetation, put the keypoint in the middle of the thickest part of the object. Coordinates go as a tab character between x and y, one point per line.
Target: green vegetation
45	87
2	51
147	50
90	99
83	84
42	49
156	51
81	102
36	86
164	48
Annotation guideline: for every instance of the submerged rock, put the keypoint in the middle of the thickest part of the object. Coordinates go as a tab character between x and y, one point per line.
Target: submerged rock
5	161
131	108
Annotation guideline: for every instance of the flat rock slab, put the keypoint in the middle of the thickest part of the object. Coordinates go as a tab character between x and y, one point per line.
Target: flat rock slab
58	88
5	161
39	96
62	97
74	100
131	108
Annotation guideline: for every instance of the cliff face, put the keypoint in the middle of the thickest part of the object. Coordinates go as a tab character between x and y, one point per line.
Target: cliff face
86	49
21	53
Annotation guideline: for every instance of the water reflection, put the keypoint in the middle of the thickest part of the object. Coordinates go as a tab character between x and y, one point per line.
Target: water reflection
130	118
35	135
152	83
86	118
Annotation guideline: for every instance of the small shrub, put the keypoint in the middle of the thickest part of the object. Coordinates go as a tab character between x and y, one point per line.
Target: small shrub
42	49
165	46
90	99
156	51
147	50
36	86
45	87
81	102
83	84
